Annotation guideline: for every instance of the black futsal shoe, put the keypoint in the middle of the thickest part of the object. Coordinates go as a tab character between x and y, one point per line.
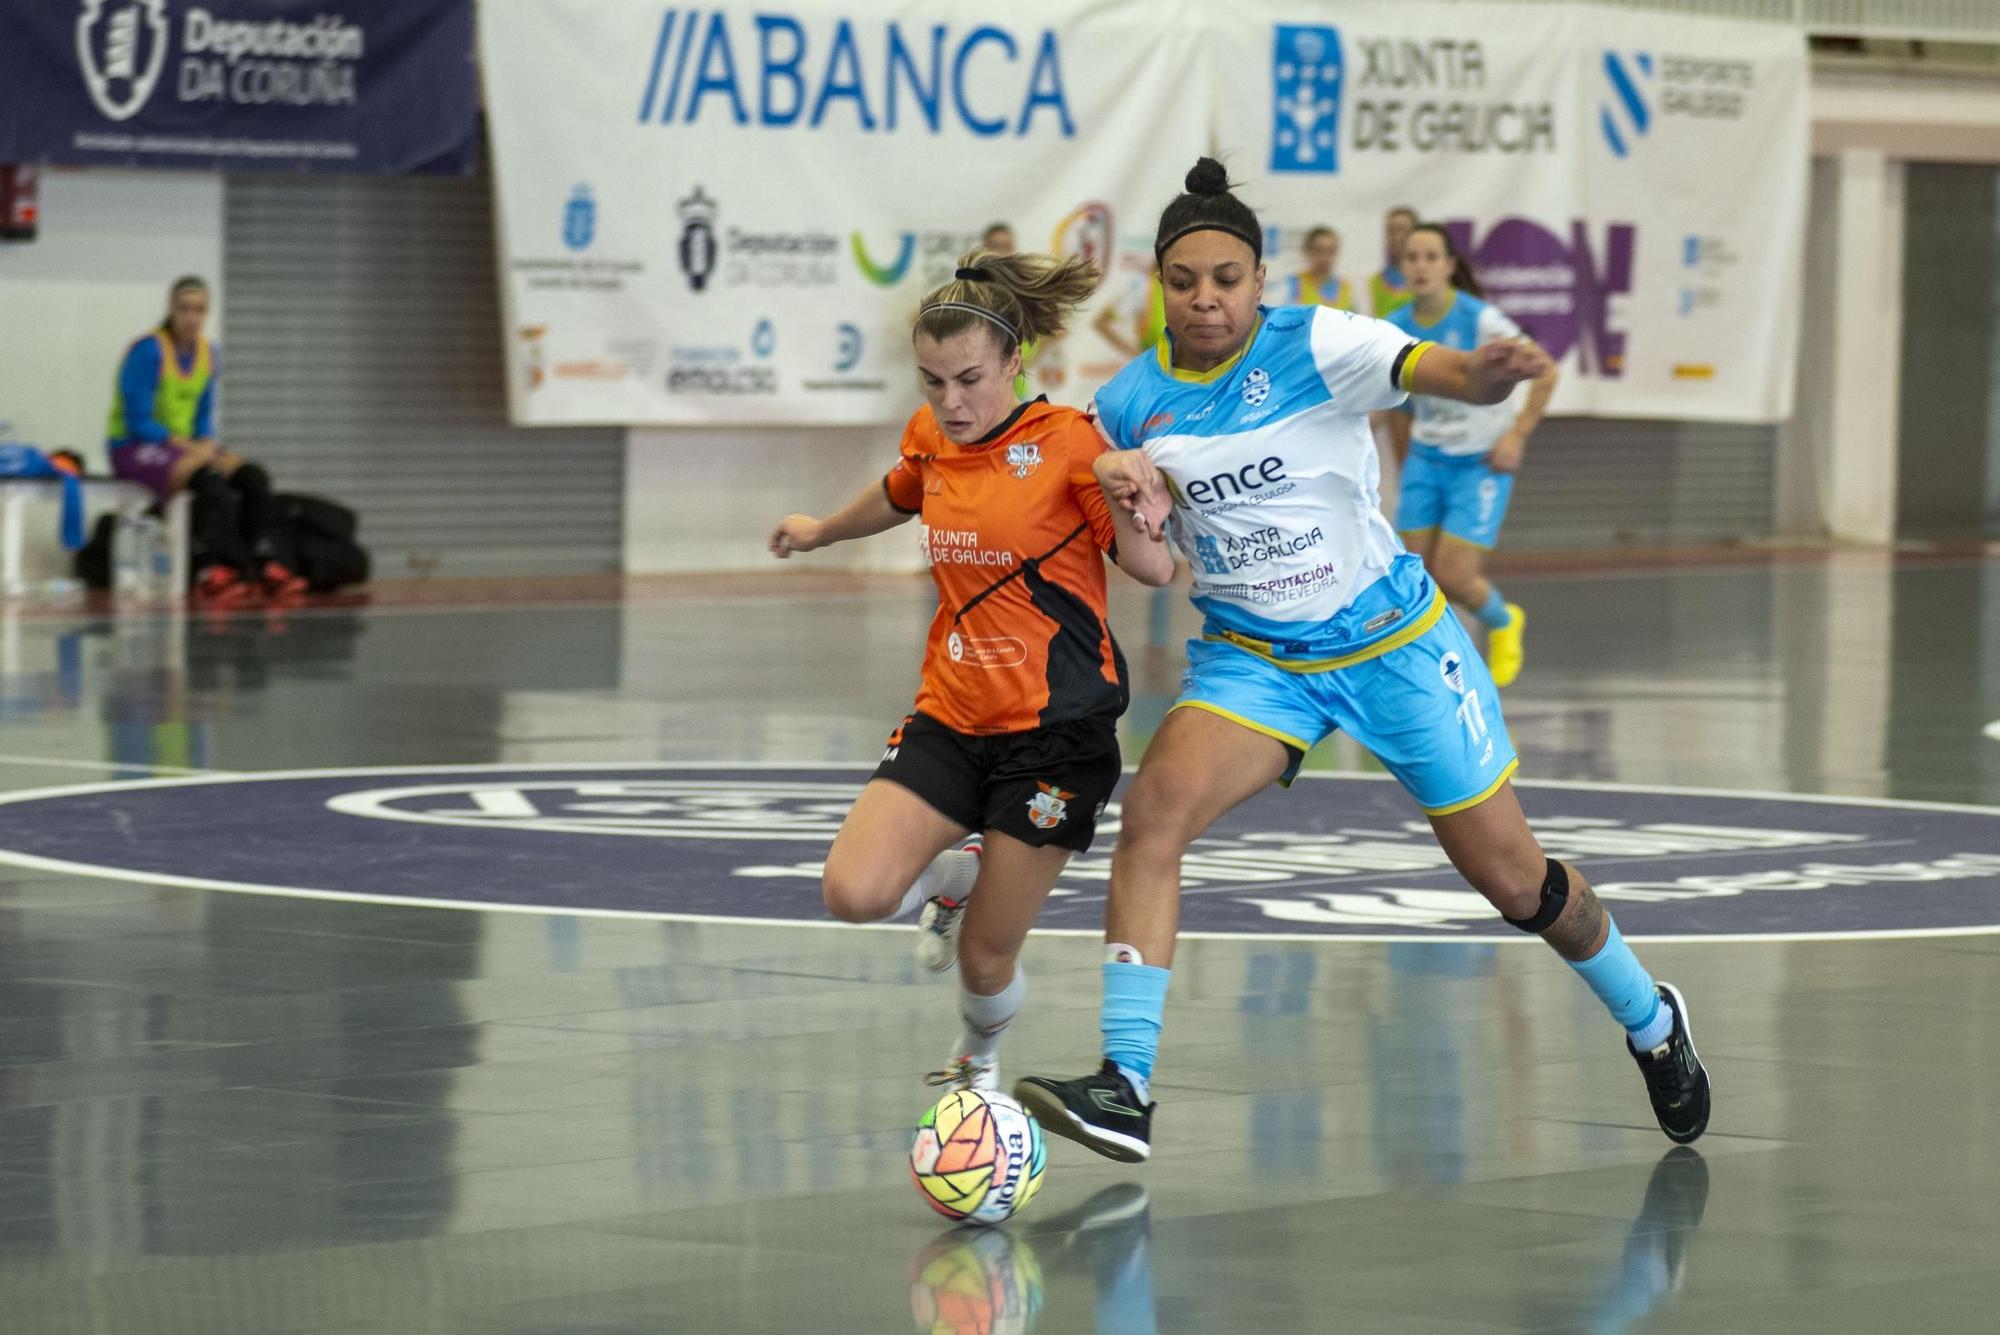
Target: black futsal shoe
1676	1081
1099	1111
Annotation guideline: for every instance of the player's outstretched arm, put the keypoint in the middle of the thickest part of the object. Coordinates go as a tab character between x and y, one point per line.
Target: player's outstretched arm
1486	375
1511	448
1143	553
869	512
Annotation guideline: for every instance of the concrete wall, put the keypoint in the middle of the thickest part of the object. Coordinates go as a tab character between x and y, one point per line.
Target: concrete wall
707	498
1948	350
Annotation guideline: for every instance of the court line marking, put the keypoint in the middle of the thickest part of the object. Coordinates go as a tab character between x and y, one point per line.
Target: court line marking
171	880
52	762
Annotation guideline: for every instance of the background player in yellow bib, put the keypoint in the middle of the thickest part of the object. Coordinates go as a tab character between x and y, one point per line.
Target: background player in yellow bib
1388	289
1317	284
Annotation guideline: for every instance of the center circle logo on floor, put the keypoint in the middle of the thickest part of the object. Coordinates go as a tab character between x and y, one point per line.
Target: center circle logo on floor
1335	856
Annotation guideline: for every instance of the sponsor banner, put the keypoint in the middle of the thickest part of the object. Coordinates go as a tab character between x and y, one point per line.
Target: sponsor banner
730	213
1631	187
366	85
1335	856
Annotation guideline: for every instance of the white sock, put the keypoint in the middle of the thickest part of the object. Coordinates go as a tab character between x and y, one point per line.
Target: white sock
1650	1036
950	875
986	1017
1141	1087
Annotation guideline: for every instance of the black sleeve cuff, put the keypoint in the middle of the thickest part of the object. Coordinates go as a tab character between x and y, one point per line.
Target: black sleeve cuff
1396	370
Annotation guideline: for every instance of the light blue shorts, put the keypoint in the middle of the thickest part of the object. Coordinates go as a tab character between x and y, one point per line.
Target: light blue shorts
1454	492
1428	711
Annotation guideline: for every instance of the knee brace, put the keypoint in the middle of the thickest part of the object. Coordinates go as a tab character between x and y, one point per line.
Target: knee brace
1555	894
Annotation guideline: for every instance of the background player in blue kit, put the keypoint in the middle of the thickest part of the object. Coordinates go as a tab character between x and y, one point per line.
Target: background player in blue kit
1254	420
1458	459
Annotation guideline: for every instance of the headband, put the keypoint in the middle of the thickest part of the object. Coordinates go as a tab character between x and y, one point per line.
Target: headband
980	311
1256	244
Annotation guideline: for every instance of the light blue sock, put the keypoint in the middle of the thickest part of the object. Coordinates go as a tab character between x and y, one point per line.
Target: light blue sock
1626	989
1494	616
1135	997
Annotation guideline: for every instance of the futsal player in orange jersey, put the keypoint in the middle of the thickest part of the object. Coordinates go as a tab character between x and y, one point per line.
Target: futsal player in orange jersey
1011	744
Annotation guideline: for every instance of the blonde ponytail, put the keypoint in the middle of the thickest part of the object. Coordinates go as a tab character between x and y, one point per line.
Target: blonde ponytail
1023	298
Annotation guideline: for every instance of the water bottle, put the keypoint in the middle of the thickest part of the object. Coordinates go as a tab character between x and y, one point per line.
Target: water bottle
159	551
127	559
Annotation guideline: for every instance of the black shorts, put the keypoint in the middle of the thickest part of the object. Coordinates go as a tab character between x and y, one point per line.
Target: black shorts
1046	788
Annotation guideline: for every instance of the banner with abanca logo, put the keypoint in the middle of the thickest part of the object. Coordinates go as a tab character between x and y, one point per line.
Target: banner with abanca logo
769	71
1630	187
814	169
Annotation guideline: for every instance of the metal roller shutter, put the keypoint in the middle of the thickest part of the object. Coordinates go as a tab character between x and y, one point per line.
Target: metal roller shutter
363	361
1595	482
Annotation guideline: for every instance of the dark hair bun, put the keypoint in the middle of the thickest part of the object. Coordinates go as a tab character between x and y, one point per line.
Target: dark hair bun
1208	177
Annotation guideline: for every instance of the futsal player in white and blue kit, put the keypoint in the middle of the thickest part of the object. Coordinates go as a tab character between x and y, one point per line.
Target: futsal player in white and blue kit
1250	426
1459	459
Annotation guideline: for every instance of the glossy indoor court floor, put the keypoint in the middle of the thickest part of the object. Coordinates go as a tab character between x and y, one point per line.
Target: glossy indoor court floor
230	1112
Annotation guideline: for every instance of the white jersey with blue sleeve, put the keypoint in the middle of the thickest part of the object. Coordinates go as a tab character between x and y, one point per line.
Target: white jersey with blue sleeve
1446	425
1276	483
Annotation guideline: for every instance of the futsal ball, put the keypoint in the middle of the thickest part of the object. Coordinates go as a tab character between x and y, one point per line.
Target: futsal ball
976	1281
978	1156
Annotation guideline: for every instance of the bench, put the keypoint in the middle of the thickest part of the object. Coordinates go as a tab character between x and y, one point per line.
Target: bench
32	557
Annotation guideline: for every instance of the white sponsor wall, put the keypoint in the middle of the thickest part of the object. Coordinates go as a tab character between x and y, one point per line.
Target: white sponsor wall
111	242
729	214
1630	186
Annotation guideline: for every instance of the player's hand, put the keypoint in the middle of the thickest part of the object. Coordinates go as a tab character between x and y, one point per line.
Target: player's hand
795	533
1505	456
1500	366
1132	483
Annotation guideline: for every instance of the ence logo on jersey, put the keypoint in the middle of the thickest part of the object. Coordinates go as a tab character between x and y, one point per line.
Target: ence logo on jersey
1251	481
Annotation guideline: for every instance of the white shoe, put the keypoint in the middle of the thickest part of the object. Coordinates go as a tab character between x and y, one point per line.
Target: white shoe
967	1072
937	926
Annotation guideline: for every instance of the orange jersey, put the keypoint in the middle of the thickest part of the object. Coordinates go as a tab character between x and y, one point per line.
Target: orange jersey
1013	526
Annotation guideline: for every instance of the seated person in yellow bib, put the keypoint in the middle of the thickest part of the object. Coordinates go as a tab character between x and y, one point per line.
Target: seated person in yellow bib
162	435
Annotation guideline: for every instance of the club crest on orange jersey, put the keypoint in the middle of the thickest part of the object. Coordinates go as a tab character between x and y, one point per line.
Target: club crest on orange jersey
1024	458
1049	807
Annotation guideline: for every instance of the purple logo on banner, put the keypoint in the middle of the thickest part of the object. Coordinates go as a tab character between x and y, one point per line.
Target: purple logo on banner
1559	292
